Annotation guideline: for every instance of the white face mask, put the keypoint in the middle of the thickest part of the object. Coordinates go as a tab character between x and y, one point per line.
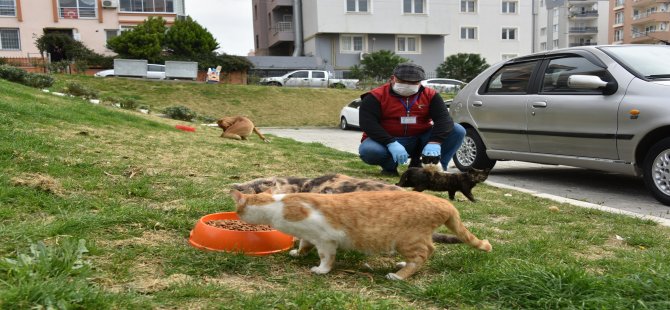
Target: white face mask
405	90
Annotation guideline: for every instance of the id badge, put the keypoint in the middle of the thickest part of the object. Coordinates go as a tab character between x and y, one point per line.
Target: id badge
406	120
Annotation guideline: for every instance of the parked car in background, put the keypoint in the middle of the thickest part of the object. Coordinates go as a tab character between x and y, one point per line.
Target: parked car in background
443	85
349	114
596	107
309	78
153	72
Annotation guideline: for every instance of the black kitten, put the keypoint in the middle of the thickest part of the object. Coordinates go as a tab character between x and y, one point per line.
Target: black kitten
425	179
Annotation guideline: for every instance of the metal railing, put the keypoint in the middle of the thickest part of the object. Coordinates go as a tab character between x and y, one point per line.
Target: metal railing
77	13
283	27
584	14
583	29
582	44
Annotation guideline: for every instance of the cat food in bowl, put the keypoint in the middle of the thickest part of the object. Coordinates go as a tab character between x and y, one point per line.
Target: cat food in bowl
225	232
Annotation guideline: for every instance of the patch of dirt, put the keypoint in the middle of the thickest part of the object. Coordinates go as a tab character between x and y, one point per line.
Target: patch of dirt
148	238
41	182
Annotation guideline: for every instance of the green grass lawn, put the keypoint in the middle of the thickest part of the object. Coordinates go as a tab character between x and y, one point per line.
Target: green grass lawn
96	206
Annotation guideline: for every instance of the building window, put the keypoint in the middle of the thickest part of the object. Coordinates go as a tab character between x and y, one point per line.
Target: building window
543	46
7	7
468	33
468	6
408	44
414	6
543	31
75	9
554	28
147	6
619	2
255	12
360	6
618	35
9	39
509	33
350	43
618	18
555	44
111	33
509	7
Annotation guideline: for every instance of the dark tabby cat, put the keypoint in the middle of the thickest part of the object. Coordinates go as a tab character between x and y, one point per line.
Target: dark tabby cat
327	184
426	179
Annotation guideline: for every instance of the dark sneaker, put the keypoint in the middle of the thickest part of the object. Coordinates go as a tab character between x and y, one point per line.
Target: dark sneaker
392	173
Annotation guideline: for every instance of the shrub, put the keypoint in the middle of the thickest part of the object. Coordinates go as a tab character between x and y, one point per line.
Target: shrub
38	80
180	113
128	103
76	89
12	74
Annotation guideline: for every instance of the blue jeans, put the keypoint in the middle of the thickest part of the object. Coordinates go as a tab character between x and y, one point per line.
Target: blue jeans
374	153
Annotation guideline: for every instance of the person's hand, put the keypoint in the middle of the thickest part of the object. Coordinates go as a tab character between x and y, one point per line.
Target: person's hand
432	149
398	152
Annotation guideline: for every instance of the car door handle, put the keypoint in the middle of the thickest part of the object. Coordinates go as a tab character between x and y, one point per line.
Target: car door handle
477	103
539	104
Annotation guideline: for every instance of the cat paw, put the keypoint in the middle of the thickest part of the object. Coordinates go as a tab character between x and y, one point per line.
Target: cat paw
319	270
393	276
485	246
294	253
400	265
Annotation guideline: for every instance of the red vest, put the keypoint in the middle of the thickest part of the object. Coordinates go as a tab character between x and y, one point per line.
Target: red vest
392	109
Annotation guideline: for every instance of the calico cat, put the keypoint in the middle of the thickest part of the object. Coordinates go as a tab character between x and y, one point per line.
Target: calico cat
370	222
425	179
327	184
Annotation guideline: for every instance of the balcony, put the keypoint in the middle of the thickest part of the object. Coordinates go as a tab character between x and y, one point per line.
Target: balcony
281	32
647	17
582	44
582	2
644	3
272	5
583	30
584	14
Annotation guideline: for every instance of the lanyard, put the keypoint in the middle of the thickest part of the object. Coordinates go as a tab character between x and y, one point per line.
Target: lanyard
411	104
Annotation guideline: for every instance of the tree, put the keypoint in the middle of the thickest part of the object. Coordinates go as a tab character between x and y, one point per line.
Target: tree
379	65
62	47
145	41
188	39
462	66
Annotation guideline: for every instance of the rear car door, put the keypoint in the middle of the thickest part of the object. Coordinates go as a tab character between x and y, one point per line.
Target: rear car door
318	79
499	108
569	121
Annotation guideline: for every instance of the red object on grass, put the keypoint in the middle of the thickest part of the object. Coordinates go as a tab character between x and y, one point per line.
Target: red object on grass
184	128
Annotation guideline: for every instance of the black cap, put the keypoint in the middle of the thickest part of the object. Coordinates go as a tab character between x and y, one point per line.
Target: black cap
409	71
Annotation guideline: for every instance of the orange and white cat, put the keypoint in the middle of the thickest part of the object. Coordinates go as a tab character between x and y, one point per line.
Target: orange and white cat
370	222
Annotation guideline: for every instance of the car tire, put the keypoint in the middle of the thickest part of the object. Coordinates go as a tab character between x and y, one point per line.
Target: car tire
472	153
656	171
344	125
274	84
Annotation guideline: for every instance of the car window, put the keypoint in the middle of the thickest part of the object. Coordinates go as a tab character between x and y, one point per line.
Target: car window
513	78
318	75
300	74
355	104
555	78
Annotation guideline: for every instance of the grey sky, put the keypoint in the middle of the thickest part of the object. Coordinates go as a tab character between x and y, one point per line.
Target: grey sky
229	21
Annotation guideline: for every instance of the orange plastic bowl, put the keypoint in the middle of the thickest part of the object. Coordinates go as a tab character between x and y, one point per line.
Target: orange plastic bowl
212	238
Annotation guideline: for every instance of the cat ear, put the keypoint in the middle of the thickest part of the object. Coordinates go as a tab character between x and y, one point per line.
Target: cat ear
237	197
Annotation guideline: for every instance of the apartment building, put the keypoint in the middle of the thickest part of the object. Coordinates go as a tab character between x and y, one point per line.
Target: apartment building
640	22
568	23
497	30
92	22
340	32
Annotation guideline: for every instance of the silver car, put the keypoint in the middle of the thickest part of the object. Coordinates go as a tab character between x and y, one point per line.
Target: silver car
597	107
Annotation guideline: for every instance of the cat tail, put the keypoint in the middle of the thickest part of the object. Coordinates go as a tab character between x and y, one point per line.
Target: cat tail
456	226
446	239
258	132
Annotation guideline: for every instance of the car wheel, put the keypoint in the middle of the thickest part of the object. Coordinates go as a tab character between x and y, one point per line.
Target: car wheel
472	153
274	84
343	123
656	171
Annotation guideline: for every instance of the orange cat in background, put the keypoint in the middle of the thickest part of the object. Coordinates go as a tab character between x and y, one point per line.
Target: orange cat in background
238	128
369	222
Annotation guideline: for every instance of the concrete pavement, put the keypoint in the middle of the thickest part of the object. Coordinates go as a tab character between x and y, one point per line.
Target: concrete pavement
586	188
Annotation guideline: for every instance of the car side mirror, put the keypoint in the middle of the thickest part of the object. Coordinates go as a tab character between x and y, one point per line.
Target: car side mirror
592	82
